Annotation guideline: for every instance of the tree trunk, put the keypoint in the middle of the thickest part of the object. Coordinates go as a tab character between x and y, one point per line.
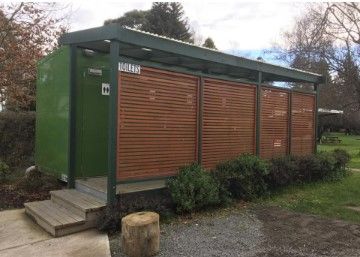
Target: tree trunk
140	234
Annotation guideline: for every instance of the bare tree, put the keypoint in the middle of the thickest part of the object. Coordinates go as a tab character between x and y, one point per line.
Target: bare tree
342	21
326	40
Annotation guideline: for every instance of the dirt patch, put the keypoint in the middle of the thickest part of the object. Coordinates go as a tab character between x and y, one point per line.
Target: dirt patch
256	231
294	234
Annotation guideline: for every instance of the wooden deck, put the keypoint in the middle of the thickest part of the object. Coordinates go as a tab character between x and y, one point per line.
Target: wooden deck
72	210
98	186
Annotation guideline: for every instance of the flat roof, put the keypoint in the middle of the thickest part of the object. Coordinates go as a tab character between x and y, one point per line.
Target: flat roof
140	45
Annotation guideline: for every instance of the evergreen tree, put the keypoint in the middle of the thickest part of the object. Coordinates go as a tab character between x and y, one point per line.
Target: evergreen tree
132	19
209	43
164	18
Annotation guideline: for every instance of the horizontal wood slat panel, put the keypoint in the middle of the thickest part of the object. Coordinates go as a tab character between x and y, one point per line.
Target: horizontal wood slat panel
157	123
228	121
274	123
302	124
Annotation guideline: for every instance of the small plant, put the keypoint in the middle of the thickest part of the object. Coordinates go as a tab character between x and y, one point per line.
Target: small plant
193	188
4	171
242	178
342	158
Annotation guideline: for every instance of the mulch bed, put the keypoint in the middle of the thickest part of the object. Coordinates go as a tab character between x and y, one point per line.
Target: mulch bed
12	196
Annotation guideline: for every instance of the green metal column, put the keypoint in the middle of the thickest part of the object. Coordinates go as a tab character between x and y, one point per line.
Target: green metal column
258	113
289	122
316	88
200	119
113	110
72	115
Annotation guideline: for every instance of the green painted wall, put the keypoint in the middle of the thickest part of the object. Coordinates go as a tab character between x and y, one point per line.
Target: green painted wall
52	112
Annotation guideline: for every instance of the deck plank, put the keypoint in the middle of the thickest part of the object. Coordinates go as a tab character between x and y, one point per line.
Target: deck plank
100	184
58	213
75	199
90	199
38	210
86	200
78	199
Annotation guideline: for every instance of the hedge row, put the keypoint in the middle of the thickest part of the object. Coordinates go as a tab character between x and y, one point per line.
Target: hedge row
17	138
248	177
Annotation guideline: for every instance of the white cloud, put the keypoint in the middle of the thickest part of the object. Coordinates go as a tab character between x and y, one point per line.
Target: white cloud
243	26
232	25
93	14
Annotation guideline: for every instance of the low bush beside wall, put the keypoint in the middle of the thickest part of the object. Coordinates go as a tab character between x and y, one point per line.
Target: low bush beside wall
193	189
242	177
17	138
248	177
289	170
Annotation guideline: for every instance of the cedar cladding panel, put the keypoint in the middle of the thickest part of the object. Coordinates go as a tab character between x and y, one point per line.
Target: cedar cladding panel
157	123
303	124
228	121
274	123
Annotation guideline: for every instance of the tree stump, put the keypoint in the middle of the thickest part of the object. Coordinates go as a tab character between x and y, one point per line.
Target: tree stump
140	234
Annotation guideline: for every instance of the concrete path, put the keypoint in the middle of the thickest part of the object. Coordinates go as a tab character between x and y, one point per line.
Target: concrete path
20	236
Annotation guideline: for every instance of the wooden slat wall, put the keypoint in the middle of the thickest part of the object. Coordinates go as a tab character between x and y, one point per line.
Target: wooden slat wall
302	124
274	123
228	121
157	123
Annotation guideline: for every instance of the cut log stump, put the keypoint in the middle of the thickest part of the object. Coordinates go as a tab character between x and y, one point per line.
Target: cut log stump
140	234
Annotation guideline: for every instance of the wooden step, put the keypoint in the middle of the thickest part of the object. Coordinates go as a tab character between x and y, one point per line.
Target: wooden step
54	218
85	205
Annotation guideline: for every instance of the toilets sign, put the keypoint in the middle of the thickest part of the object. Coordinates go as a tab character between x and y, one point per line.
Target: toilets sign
129	67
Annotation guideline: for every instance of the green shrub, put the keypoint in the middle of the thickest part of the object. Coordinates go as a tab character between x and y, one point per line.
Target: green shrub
282	171
342	158
4	171
288	170
193	188
322	166
242	178
327	166
308	167
17	138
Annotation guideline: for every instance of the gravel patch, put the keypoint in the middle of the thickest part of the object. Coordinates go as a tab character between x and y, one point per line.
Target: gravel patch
238	233
259	231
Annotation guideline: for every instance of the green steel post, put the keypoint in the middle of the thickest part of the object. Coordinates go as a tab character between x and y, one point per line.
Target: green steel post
72	114
258	113
289	122
113	107
200	119
316	88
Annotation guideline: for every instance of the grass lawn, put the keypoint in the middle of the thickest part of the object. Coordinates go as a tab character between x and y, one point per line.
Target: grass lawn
349	143
326	199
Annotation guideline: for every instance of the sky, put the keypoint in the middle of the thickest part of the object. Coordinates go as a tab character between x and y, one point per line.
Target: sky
239	28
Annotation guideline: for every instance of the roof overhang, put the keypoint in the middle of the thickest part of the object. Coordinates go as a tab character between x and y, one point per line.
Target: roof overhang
149	47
